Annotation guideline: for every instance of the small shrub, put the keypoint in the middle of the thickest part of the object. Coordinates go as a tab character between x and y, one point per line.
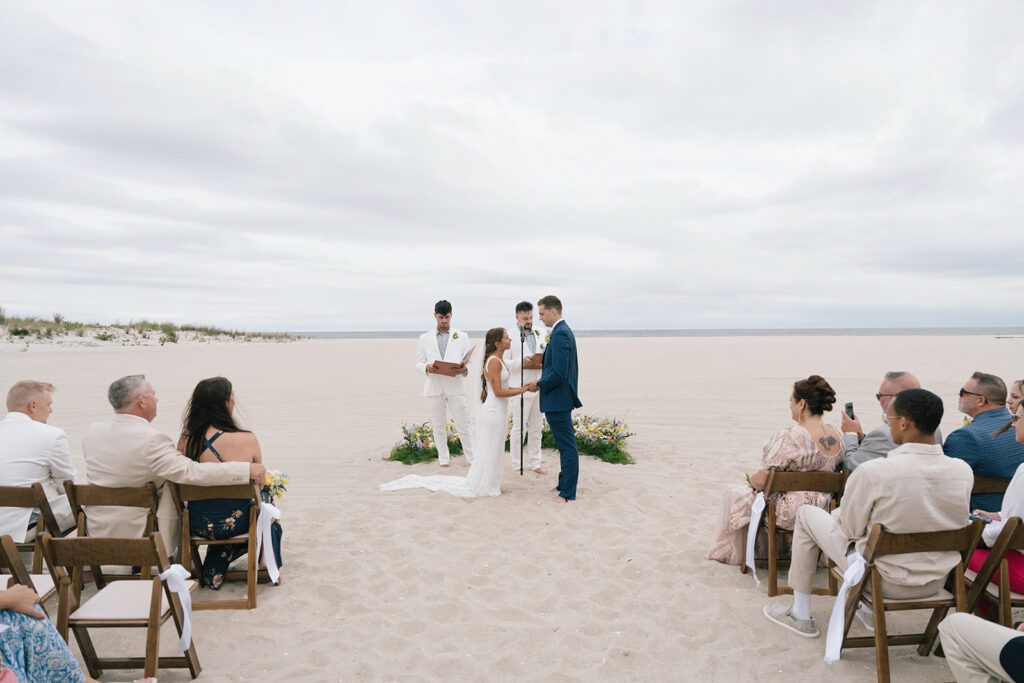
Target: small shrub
19	332
58	318
104	336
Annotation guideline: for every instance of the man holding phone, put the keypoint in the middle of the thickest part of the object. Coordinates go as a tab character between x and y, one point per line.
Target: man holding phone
877	443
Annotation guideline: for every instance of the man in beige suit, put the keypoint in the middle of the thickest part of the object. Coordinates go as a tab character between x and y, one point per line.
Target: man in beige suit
127	451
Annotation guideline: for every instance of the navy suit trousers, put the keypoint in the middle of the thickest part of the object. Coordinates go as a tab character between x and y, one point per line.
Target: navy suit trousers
565	440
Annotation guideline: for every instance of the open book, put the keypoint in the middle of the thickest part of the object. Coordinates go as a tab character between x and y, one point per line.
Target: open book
443	367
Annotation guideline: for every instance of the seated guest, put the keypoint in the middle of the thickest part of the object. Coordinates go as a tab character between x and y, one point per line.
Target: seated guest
1013	506
127	451
211	435
983	398
31	452
912	490
877	443
809	446
1013	401
978	650
30	647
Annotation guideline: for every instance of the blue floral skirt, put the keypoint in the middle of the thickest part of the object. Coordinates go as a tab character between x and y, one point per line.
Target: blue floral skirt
224	518
35	652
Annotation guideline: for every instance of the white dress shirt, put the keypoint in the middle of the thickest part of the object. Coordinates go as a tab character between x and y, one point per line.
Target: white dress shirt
34	452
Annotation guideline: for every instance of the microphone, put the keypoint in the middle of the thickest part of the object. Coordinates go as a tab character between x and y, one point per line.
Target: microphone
522	331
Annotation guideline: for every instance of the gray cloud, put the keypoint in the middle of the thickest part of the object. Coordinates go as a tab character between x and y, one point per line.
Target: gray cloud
657	164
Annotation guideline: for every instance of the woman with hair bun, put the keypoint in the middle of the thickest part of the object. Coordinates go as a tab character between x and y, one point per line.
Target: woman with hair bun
809	446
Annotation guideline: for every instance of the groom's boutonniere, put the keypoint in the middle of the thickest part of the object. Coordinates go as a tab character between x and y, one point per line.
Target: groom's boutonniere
536	333
547	339
455	335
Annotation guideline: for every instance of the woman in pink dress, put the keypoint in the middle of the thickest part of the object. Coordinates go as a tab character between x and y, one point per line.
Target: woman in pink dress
809	446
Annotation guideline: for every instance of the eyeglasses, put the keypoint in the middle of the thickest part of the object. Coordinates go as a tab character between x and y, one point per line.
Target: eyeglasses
964	392
879	397
887	418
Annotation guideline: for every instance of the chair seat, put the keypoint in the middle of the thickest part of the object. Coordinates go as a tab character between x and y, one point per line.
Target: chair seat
42	582
122	601
237	538
993	588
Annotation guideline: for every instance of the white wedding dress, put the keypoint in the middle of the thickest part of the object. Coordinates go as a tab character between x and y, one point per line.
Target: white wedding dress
489	435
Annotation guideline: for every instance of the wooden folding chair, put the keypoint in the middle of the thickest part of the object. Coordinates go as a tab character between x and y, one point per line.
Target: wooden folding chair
869	590
10	560
33	497
81	496
183	495
989	485
780	482
979	584
143	603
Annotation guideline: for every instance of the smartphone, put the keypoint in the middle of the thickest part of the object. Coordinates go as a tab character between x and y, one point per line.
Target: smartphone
973	517
849	410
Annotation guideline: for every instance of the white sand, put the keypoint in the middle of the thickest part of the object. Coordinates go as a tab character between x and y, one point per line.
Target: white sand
419	586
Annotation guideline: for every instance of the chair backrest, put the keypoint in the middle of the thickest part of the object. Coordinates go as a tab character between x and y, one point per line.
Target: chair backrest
824	482
989	485
30	497
79	552
882	542
10	560
183	493
81	496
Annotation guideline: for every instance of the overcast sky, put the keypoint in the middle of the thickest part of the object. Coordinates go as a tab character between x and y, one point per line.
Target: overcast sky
341	166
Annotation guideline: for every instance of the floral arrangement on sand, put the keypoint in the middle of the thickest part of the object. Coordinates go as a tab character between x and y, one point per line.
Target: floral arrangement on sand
417	444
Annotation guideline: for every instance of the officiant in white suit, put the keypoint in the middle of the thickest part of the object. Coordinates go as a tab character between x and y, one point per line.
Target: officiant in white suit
446	394
525	358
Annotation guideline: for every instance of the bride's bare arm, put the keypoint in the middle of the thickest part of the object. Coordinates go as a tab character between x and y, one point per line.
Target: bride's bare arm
494	377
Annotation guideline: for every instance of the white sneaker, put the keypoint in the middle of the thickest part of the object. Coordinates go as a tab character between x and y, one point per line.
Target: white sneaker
865	617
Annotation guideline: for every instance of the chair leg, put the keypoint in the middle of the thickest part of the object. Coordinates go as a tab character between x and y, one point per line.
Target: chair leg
153	629
1005	611
191	657
931	632
773	562
881	638
88	651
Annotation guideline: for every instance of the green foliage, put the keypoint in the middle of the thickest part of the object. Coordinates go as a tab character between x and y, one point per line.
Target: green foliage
58	318
20	332
169	336
3	315
104	336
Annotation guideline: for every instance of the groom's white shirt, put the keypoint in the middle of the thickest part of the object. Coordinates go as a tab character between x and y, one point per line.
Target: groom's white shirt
427	352
514	356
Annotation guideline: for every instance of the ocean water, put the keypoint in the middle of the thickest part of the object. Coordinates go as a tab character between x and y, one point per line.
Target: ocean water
796	332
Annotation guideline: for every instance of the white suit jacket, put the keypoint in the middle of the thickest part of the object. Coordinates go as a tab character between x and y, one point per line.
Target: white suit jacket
33	452
128	451
514	357
427	352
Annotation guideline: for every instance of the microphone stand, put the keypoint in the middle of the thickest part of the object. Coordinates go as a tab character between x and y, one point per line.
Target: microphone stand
522	398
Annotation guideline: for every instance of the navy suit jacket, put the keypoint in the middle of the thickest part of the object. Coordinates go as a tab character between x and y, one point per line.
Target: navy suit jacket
559	381
987	456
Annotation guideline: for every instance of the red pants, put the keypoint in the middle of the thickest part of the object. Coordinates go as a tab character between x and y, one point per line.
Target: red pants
1014	561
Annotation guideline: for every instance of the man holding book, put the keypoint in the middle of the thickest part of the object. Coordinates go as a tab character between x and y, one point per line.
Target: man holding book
442	355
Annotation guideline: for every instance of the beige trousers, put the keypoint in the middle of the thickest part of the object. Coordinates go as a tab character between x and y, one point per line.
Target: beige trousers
815	528
972	646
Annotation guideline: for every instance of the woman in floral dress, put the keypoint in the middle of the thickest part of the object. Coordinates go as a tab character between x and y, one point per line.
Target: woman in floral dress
809	446
210	434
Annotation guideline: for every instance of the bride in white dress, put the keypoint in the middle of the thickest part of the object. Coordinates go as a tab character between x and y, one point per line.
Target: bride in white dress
490	432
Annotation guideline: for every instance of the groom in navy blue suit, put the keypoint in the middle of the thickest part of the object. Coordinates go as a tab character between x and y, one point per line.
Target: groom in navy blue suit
559	392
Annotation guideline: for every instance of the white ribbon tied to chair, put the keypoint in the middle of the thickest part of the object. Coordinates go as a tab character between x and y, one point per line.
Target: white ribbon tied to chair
176	578
756	508
268	513
836	623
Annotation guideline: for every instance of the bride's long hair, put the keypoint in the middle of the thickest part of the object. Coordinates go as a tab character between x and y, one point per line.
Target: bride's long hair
491	341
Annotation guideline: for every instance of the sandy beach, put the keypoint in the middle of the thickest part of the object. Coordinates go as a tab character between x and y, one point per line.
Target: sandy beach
418	586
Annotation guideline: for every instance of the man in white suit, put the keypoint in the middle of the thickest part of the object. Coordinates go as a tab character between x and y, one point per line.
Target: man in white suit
532	347
127	451
31	452
445	394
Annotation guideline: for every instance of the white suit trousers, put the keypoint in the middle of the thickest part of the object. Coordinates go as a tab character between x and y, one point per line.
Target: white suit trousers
439	408
534	424
972	647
